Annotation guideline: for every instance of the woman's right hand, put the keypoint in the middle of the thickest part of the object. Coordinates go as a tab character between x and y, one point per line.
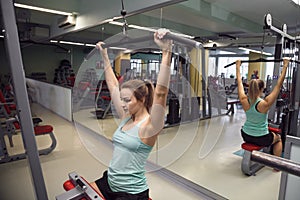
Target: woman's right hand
286	62
238	63
102	50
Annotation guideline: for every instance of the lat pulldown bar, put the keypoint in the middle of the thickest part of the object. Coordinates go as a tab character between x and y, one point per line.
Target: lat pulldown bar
260	60
128	40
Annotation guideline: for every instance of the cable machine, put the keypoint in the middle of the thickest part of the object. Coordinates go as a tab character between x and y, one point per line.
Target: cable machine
293	124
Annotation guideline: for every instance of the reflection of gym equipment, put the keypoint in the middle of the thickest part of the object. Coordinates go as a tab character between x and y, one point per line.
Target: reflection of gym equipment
64	74
231	103
217	96
103	100
10	126
84	92
7	109
189	107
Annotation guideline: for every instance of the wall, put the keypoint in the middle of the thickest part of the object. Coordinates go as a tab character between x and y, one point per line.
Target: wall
43	58
46	58
53	97
260	66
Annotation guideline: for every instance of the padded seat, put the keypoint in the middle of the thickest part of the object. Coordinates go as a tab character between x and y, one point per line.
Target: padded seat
249	167
44	129
251	147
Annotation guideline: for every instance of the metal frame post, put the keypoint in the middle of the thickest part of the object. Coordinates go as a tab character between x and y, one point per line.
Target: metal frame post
276	74
15	59
293	124
204	86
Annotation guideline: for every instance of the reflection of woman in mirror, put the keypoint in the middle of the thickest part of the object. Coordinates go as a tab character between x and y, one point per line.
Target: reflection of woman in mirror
142	111
255	129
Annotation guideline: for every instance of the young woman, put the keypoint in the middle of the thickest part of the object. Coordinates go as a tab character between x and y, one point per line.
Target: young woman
255	129
142	110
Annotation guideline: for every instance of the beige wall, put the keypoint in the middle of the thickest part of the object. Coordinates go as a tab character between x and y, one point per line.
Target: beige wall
260	66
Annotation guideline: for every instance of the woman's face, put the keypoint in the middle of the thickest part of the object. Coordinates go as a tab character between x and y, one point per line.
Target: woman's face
129	103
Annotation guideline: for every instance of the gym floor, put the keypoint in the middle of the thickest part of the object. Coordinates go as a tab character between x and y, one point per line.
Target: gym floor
214	166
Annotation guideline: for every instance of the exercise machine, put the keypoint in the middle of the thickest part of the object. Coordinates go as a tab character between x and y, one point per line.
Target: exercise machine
10	127
78	189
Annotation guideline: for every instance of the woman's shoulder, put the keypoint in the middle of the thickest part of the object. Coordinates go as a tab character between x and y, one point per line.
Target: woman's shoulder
262	106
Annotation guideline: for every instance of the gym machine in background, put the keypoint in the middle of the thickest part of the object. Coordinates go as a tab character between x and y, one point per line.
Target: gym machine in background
290	118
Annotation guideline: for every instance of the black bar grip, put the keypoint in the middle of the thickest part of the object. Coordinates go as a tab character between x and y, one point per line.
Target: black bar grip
81	184
229	65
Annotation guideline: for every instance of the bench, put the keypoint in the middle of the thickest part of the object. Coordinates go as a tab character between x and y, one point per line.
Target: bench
231	103
248	166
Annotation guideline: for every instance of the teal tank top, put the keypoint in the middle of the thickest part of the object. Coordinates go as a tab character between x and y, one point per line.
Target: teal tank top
126	171
256	123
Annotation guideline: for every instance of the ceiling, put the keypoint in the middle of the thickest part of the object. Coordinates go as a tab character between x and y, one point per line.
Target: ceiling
229	23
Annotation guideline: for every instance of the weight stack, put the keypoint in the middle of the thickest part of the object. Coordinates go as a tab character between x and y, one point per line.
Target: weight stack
173	115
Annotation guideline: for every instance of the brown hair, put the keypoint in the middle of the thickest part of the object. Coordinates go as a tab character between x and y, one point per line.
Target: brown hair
141	89
255	87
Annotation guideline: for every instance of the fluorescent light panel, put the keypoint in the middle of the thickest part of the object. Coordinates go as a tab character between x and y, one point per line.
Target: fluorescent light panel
296	2
116	23
42	9
82	44
72	43
255	51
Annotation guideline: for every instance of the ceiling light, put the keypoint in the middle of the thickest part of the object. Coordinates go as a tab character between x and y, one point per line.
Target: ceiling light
72	43
296	2
255	51
142	28
41	9
119	48
90	45
116	23
1	36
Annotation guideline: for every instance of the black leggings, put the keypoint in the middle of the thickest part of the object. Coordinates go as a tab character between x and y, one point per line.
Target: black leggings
108	194
265	140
